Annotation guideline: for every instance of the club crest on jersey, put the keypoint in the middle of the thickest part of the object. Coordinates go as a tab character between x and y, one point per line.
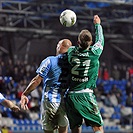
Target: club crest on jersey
97	46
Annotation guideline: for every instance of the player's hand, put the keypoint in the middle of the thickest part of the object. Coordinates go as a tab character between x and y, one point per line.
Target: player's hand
96	19
15	108
24	101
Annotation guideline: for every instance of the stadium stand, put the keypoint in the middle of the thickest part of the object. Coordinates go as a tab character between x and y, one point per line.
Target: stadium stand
111	95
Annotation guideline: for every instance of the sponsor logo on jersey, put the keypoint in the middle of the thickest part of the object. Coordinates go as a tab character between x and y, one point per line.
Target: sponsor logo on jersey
85	79
83	54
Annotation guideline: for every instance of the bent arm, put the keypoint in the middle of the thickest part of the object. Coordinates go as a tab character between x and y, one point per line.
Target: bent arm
32	85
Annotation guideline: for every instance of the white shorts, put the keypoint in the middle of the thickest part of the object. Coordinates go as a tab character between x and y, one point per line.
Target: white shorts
52	116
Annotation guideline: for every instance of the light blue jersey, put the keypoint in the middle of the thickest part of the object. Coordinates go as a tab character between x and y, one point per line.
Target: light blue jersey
50	70
2	98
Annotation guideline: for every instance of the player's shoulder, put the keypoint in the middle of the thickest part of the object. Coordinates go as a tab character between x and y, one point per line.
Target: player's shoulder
71	48
48	58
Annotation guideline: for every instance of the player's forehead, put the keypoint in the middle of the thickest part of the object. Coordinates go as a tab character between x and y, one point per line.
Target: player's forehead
59	43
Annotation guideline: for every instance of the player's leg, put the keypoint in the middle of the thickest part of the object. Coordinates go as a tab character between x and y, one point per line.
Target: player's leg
72	109
93	117
52	131
76	129
62	120
45	131
48	116
63	129
98	129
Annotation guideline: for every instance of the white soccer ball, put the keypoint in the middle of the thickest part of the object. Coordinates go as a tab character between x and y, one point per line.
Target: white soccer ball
68	18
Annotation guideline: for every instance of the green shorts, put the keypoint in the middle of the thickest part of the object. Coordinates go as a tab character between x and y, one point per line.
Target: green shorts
81	106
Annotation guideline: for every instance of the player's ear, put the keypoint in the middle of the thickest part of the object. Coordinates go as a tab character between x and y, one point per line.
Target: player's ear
91	42
78	42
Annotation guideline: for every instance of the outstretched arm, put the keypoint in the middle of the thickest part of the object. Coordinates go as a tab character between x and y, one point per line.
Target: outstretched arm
11	105
99	41
32	86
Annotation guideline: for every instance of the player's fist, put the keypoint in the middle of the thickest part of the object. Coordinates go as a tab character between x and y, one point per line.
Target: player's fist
96	19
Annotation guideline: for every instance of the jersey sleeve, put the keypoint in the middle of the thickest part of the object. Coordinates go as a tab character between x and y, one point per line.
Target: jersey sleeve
97	48
44	67
2	98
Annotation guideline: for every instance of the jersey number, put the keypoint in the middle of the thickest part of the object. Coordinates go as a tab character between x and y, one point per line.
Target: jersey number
85	64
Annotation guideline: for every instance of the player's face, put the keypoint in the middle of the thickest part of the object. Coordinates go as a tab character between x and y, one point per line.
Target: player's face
63	46
58	48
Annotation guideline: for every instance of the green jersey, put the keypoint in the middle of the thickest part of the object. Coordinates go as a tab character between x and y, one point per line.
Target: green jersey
85	63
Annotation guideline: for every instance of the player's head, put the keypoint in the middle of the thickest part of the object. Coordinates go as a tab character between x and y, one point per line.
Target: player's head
63	46
84	39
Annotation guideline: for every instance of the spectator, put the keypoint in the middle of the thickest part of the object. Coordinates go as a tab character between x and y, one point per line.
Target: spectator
115	90
105	74
119	98
2	68
5	129
129	101
129	87
126	115
130	71
115	73
100	88
123	72
111	100
107	112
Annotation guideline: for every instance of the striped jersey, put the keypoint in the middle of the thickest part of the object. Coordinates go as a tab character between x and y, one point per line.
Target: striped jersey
85	63
2	98
51	70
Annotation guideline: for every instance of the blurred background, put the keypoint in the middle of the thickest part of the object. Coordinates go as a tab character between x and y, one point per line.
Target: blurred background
29	32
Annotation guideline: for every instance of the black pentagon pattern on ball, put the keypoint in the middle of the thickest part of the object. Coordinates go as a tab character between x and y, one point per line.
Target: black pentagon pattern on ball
64	23
72	21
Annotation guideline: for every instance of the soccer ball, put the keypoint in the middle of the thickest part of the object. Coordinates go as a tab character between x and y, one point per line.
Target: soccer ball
68	18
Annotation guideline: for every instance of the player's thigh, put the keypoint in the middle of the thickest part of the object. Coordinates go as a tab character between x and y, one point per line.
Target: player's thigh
75	119
85	106
48	115
62	117
91	112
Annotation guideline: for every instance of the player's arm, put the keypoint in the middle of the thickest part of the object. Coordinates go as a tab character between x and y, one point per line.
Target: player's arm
41	73
97	48
9	104
32	86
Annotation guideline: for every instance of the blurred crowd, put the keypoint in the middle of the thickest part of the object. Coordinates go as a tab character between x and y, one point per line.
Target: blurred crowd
113	92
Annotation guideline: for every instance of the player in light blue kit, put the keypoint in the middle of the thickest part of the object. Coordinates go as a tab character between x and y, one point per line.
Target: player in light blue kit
9	104
53	115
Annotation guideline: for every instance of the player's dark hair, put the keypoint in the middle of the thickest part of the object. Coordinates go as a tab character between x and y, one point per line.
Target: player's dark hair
85	39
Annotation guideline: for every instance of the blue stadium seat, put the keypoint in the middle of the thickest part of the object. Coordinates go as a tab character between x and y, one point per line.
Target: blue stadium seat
116	116
117	109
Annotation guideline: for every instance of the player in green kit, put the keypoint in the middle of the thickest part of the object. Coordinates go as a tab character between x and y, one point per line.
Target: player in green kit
84	60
